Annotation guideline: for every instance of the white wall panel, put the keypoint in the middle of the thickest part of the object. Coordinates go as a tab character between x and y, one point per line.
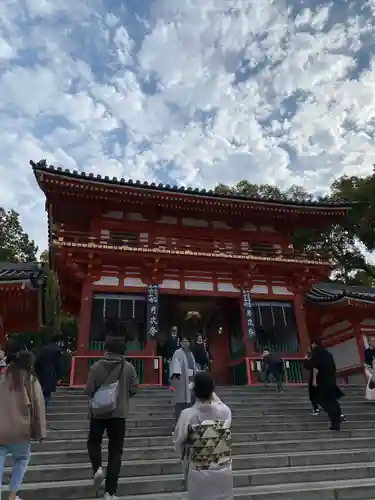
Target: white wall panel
199	285
346	354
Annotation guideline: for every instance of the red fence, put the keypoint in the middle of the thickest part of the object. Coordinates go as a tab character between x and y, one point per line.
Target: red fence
149	369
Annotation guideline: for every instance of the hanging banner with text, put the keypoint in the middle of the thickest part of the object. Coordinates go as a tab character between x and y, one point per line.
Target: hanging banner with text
248	312
152	311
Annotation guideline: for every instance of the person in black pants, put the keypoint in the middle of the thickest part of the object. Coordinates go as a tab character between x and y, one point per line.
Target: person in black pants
313	391
273	368
108	370
324	382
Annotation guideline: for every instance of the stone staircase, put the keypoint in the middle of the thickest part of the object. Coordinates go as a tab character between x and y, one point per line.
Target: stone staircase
280	451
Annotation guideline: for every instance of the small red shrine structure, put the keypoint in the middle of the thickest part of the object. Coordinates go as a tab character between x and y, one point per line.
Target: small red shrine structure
343	316
21	298
136	259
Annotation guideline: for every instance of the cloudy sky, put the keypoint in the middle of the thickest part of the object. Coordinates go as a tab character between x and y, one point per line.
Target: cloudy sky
192	92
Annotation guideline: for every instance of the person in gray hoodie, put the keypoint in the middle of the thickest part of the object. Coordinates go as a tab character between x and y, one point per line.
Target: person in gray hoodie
113	367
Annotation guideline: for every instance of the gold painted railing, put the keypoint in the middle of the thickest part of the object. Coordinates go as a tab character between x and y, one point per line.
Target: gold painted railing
180	245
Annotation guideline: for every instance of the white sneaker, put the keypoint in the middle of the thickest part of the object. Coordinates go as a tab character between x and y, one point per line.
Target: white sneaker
107	496
98	478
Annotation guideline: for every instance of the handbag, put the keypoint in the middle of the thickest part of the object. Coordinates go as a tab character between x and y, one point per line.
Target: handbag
105	398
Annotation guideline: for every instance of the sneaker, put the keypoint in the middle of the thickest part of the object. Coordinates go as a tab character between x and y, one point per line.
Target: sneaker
98	478
343	418
107	496
315	413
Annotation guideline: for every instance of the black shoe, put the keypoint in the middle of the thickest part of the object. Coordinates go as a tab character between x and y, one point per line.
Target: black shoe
334	428
343	418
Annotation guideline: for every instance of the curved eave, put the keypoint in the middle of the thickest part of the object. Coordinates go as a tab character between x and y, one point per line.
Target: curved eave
97	187
342	301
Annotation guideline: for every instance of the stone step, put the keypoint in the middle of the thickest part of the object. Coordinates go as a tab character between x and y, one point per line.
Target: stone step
244	404
318	423
258	463
335	442
142	421
258	392
238	437
240	411
282	480
353	489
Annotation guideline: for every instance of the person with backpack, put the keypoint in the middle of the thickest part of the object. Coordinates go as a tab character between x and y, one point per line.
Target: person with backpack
111	382
22	416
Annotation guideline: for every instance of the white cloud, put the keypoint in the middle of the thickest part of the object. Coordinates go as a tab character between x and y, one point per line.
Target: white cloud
186	92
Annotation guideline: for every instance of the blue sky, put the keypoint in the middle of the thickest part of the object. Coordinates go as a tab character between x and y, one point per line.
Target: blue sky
191	92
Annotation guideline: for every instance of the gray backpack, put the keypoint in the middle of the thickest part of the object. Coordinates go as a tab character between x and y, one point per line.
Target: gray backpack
105	399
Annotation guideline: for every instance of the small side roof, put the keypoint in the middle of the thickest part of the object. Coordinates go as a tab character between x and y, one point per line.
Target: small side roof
13	272
324	293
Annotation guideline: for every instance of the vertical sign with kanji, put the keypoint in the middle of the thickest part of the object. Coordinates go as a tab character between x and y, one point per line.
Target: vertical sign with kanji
152	311
248	312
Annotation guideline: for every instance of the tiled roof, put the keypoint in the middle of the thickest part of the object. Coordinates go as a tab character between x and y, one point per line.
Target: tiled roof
42	166
13	272
334	292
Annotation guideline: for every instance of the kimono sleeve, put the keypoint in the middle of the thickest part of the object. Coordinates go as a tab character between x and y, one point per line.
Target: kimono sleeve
133	382
176	367
181	432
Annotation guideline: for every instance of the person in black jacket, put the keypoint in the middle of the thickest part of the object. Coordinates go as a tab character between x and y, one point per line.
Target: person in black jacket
324	381
273	368
201	354
313	391
48	367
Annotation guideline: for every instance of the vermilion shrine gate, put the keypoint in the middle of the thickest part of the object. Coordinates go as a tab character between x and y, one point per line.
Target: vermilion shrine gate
136	259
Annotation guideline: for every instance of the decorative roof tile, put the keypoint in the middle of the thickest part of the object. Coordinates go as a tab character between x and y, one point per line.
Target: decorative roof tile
18	272
42	166
334	292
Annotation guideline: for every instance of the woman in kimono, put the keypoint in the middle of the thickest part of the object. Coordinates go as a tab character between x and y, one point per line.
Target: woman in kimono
203	439
183	369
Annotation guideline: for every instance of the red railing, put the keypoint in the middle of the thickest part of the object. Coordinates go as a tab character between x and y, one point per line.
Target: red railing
149	370
294	373
183	245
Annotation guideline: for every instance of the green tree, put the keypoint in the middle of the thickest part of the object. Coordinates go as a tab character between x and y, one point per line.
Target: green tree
15	244
343	242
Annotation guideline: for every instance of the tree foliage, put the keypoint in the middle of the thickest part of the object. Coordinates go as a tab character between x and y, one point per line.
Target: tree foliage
346	243
15	244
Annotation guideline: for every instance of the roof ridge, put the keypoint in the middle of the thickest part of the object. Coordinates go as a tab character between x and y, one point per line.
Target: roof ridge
42	165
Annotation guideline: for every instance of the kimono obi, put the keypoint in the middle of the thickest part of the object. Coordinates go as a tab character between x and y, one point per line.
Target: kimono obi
210	445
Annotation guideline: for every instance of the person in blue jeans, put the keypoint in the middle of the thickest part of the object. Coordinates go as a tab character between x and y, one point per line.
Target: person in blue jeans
22	416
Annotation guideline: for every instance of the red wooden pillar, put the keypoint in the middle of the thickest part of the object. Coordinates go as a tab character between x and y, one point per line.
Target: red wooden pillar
83	337
303	332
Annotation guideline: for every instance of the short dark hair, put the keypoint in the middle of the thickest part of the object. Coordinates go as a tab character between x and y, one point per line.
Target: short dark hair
204	385
115	345
317	342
